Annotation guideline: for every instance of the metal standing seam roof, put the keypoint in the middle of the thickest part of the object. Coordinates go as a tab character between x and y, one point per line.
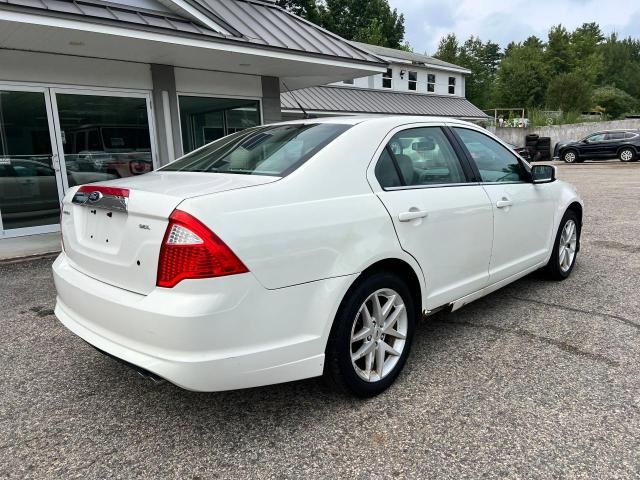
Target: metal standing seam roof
361	100
113	12
408	56
269	24
250	21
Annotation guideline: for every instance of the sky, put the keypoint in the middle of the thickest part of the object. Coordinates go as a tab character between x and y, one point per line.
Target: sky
502	21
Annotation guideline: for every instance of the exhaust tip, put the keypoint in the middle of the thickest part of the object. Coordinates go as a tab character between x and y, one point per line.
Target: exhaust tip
146	374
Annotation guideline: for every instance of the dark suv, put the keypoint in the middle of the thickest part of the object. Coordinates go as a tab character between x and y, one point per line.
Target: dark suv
622	144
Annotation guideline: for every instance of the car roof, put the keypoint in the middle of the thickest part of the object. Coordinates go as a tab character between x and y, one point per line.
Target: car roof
399	119
618	130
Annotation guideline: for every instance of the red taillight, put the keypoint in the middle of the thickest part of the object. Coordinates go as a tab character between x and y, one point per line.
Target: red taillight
114	191
191	250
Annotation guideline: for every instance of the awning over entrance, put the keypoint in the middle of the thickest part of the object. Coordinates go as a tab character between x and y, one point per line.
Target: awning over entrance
350	100
239	36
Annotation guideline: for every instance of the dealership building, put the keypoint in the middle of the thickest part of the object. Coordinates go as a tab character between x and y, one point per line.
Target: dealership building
93	90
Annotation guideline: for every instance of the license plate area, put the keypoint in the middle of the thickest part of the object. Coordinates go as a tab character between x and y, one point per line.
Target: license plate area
103	228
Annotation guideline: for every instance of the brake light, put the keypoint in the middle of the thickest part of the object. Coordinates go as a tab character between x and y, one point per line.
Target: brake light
113	191
191	250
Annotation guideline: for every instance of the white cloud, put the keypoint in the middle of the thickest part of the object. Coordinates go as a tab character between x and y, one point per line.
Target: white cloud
502	21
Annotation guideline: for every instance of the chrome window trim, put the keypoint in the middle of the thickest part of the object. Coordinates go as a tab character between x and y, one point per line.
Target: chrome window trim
506	183
435	185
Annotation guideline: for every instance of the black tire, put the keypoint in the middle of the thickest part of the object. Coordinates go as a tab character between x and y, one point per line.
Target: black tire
627	155
567	156
339	372
553	269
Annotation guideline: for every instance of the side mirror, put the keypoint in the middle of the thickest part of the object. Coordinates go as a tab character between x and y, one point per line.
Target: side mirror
543	173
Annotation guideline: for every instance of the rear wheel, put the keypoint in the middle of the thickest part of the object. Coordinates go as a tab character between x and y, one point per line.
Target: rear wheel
570	156
565	249
626	155
371	336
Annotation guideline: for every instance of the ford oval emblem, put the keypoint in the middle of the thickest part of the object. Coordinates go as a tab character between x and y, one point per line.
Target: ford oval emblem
95	196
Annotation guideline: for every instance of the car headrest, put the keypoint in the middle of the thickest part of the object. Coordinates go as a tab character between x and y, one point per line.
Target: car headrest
406	167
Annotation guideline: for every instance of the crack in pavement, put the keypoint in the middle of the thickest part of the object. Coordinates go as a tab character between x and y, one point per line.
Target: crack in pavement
565	347
624	320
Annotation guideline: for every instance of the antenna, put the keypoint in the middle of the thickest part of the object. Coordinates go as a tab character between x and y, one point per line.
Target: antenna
306	115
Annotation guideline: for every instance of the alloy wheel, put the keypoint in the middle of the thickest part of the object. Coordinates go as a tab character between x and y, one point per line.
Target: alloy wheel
626	155
568	244
570	157
378	335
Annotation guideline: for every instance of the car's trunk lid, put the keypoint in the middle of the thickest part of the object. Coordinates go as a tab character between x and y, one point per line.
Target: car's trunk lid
116	238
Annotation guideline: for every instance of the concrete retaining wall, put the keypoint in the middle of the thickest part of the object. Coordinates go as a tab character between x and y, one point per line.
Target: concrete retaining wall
576	131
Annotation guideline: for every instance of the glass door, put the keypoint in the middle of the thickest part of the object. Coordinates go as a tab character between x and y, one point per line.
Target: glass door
30	180
102	135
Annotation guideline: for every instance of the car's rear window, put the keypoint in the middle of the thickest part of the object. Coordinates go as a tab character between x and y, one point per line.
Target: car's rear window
269	150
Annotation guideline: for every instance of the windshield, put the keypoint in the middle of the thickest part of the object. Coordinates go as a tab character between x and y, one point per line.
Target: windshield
269	150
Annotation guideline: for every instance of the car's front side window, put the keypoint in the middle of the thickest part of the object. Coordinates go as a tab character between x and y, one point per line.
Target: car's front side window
494	161
598	137
419	157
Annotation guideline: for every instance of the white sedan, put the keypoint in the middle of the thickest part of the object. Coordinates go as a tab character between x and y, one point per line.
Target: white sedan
305	248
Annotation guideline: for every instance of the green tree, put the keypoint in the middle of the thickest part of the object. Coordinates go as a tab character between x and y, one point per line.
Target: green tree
369	21
483	60
586	42
448	49
614	101
621	64
558	51
569	92
522	78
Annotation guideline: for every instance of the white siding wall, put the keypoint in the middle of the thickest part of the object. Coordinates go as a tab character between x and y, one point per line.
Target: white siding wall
31	67
402	84
218	83
68	70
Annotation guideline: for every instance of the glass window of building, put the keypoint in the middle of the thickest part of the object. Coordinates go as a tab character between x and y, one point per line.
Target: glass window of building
452	85
413	81
431	82
104	137
205	119
387	78
28	188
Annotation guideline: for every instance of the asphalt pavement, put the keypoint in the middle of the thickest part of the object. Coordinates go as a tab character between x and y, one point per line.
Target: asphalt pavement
538	380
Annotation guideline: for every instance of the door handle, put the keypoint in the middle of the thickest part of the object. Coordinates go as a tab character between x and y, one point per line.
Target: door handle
412	215
505	202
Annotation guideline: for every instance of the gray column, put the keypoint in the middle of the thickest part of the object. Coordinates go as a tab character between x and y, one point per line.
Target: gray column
271	112
166	113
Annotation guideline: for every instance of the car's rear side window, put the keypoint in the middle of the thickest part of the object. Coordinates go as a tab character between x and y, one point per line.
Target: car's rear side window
419	157
615	136
270	150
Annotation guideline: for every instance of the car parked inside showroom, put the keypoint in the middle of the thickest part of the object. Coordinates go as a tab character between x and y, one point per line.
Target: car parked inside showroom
608	144
306	248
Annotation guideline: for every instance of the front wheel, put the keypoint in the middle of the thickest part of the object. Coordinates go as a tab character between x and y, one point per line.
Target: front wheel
371	336
626	155
570	156
565	248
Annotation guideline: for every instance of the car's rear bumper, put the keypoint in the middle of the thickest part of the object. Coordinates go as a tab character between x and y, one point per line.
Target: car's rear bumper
205	335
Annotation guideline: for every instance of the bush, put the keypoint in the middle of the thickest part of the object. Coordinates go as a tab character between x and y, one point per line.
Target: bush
613	101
